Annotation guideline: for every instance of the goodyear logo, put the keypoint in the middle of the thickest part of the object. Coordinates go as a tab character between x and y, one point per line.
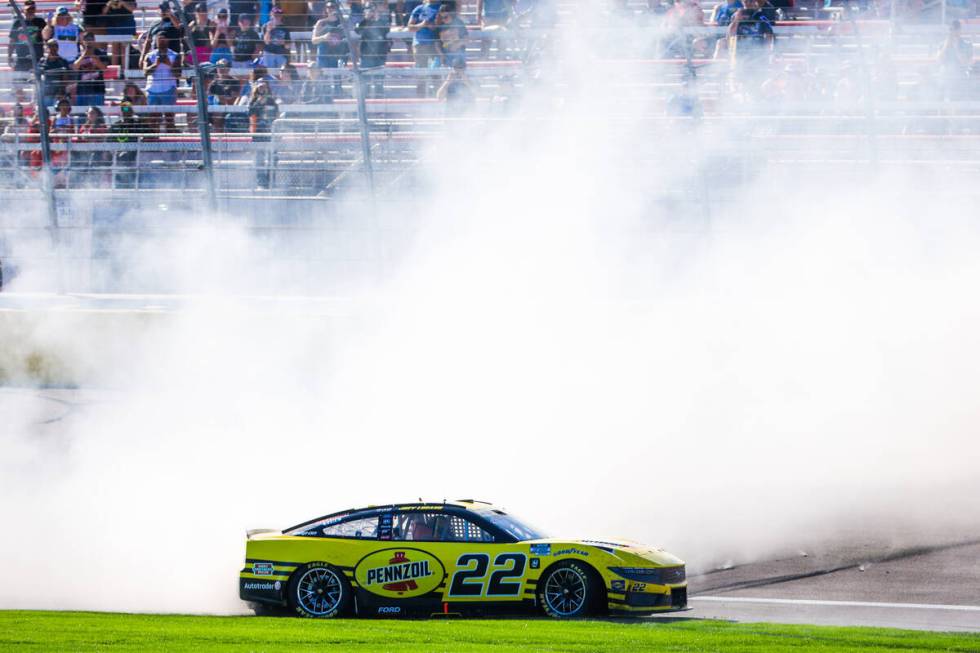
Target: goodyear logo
399	573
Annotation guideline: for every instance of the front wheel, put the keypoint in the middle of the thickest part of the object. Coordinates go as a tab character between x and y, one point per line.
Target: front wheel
319	591
567	591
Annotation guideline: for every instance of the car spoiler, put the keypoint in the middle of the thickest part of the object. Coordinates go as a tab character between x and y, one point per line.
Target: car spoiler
257	531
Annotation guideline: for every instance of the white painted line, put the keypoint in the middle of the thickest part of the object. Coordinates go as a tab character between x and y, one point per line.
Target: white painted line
855	604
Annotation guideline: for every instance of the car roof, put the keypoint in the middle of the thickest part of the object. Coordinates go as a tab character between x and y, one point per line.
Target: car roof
457	505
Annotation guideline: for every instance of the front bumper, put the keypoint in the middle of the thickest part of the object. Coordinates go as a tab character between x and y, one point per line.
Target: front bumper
663	599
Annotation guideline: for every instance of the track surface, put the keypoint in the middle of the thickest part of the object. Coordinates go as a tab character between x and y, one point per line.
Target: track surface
932	583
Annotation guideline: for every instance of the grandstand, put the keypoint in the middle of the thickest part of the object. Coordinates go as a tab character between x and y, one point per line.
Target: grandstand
661	63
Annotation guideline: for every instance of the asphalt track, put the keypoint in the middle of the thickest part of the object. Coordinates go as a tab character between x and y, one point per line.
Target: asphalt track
930	582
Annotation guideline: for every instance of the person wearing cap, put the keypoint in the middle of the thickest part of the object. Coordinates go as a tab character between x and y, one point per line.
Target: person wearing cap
170	26
201	28
422	23
246	44
275	37
25	34
56	72
239	8
224	90
66	32
90	68
330	40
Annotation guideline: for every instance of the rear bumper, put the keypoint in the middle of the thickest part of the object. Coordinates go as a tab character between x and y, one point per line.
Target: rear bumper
272	592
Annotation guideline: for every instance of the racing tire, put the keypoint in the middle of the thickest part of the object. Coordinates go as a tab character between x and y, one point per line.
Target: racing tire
568	590
319	591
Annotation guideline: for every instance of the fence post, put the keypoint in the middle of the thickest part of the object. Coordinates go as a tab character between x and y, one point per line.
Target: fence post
361	99
47	178
203	117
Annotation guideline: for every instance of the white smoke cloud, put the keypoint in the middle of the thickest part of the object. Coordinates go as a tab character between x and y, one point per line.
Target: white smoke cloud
722	377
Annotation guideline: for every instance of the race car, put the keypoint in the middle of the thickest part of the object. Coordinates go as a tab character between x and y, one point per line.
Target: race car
451	558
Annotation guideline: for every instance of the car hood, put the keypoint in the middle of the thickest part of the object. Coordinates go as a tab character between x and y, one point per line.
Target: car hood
625	549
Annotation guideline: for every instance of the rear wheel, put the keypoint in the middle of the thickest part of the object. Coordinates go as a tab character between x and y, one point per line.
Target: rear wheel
319	590
567	591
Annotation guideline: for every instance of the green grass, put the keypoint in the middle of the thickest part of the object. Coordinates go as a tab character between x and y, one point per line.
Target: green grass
90	631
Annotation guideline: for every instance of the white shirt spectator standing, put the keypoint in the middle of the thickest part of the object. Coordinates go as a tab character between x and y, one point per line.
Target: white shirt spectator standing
66	32
162	68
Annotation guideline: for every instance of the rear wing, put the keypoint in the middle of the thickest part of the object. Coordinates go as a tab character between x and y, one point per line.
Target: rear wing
250	533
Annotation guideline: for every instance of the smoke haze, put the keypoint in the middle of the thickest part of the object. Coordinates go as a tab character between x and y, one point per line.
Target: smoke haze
554	337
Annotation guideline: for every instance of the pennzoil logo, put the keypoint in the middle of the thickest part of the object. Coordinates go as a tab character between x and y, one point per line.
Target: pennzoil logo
399	573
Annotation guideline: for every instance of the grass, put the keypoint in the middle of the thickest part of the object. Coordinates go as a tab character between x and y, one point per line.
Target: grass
92	631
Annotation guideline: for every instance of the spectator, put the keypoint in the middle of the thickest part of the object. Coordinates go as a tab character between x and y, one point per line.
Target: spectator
457	92
256	75
239	8
246	44
162	68
19	124
400	10
373	46
189	8
330	40
94	129
314	90
224	91
134	95
356	14
90	69
275	36
93	15
56	73
94	122
422	23
201	31
62	121
170	27
221	39
127	129
724	11
65	32
452	37
494	13
955	59
287	87
118	20
295	15
23	36
262	112
751	39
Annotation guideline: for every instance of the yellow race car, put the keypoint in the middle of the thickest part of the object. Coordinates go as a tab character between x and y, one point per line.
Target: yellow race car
459	557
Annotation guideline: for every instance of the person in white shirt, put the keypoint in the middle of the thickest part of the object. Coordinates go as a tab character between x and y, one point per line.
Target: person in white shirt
66	32
162	69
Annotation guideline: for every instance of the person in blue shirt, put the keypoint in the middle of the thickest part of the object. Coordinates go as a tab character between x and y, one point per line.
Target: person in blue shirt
751	41
724	12
422	23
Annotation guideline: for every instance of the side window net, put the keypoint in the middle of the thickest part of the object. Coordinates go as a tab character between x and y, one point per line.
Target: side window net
366	528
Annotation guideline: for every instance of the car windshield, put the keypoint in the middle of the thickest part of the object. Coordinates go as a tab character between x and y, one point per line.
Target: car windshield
511	525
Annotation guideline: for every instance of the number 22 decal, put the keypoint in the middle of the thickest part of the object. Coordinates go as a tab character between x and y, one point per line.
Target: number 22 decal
470	577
